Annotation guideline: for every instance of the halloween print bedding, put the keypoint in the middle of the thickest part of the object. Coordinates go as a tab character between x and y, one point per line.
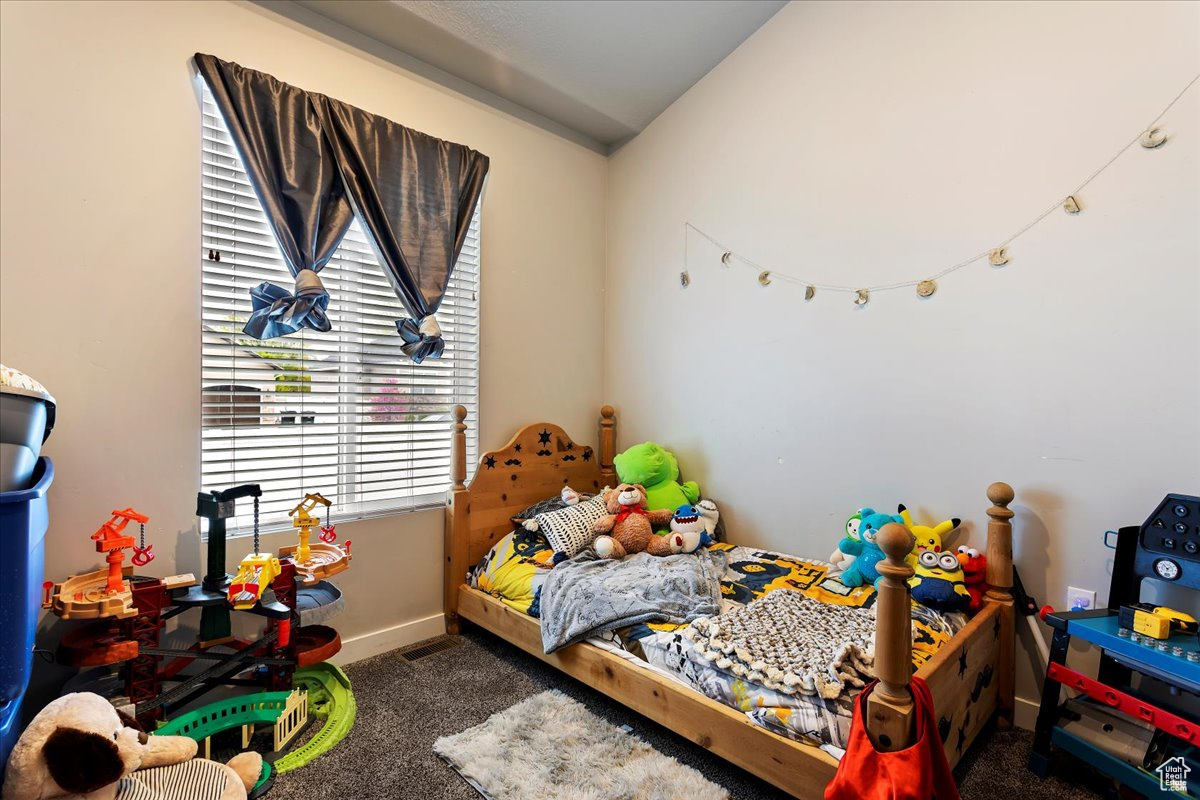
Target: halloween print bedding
516	569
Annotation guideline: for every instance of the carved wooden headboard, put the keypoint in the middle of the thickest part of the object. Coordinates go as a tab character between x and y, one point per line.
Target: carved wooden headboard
535	464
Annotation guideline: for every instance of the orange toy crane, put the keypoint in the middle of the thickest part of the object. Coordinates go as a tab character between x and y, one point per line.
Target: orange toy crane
109	539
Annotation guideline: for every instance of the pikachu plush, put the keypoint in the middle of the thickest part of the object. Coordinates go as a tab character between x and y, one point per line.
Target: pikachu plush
927	538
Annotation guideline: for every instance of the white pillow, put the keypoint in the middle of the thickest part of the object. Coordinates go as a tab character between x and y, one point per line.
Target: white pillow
569	530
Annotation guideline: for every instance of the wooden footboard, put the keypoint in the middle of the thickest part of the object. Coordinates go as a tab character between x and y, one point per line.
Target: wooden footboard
963	678
798	769
971	678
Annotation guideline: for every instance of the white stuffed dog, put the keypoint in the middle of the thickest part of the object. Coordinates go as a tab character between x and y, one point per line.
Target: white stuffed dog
81	748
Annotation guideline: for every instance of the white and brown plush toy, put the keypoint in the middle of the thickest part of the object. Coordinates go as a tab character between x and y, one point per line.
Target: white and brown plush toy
81	748
709	513
631	525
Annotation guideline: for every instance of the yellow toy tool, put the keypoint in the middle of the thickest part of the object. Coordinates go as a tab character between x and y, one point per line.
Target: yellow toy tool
1157	622
305	521
254	576
256	572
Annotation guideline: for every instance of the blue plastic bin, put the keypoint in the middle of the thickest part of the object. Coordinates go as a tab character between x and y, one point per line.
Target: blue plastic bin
23	521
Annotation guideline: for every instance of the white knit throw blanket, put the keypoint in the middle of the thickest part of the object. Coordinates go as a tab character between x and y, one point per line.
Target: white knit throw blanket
791	643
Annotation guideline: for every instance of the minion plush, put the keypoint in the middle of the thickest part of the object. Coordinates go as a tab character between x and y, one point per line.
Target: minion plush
938	582
927	538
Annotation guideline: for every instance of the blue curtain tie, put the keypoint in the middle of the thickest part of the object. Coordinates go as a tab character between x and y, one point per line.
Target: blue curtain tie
277	313
421	341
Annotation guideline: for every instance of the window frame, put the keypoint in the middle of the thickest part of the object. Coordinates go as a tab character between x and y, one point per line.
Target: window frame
365	379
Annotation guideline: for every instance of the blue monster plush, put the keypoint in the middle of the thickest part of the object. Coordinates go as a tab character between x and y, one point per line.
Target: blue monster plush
863	569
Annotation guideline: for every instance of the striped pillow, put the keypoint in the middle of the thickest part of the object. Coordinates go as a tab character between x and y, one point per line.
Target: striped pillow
569	530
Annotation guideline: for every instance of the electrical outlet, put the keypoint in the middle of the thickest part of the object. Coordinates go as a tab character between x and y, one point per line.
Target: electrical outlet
1080	599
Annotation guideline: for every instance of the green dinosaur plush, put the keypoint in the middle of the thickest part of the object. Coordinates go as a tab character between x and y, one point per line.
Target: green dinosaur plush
655	467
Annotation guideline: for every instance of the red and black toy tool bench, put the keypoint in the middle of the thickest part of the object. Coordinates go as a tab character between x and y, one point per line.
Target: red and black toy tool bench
1178	665
1166	548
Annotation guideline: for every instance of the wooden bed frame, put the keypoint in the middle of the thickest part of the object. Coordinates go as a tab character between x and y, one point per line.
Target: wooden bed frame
971	677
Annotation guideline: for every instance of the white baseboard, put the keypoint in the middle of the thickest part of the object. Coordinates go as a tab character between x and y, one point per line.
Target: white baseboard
1025	713
365	645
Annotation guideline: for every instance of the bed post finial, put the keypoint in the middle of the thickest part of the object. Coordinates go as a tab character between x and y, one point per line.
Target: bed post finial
889	719
458	449
999	543
1000	583
608	444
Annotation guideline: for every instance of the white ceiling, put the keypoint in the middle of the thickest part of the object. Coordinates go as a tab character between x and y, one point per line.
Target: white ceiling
602	69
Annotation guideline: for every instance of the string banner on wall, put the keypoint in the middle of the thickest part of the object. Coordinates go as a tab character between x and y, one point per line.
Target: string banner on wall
1151	137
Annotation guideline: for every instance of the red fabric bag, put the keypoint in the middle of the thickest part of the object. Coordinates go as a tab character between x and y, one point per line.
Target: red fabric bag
919	772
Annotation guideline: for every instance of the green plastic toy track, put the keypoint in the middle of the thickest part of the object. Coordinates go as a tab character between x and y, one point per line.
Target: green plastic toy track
247	709
262	779
329	698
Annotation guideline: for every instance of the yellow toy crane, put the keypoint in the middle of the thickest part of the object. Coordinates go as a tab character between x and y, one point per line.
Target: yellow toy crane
305	521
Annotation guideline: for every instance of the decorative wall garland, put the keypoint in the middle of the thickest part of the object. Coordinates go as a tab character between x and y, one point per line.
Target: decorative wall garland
1151	137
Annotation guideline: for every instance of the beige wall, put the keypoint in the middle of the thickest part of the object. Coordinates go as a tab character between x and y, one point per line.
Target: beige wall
101	272
867	143
855	142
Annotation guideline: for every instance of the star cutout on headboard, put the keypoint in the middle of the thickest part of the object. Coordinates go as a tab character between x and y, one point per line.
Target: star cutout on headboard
570	445
490	462
517	447
587	454
962	662
544	437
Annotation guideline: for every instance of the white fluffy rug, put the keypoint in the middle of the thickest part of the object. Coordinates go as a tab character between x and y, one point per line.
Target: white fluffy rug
552	748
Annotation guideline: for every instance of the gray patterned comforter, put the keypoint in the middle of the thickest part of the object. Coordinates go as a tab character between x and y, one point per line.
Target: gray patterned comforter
587	596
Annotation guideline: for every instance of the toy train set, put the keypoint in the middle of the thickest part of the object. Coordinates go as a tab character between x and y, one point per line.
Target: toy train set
123	616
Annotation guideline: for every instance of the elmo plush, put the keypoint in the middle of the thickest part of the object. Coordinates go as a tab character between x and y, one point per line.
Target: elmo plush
974	566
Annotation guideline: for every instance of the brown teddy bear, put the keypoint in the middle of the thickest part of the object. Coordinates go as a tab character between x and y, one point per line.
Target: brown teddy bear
80	747
631	525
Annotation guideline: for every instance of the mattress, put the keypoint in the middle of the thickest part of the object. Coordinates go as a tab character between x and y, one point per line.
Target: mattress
516	568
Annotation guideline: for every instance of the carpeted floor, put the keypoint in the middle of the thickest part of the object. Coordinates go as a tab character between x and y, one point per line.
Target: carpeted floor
403	707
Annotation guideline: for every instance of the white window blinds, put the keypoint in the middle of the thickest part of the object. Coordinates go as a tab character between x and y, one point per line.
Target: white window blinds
343	413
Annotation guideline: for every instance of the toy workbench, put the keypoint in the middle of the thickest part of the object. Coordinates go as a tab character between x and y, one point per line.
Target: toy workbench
1147	743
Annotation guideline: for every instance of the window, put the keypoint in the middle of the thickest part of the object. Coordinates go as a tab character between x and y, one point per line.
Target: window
343	413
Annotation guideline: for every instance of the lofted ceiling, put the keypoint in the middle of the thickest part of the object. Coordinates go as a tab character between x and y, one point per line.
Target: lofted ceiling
597	70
